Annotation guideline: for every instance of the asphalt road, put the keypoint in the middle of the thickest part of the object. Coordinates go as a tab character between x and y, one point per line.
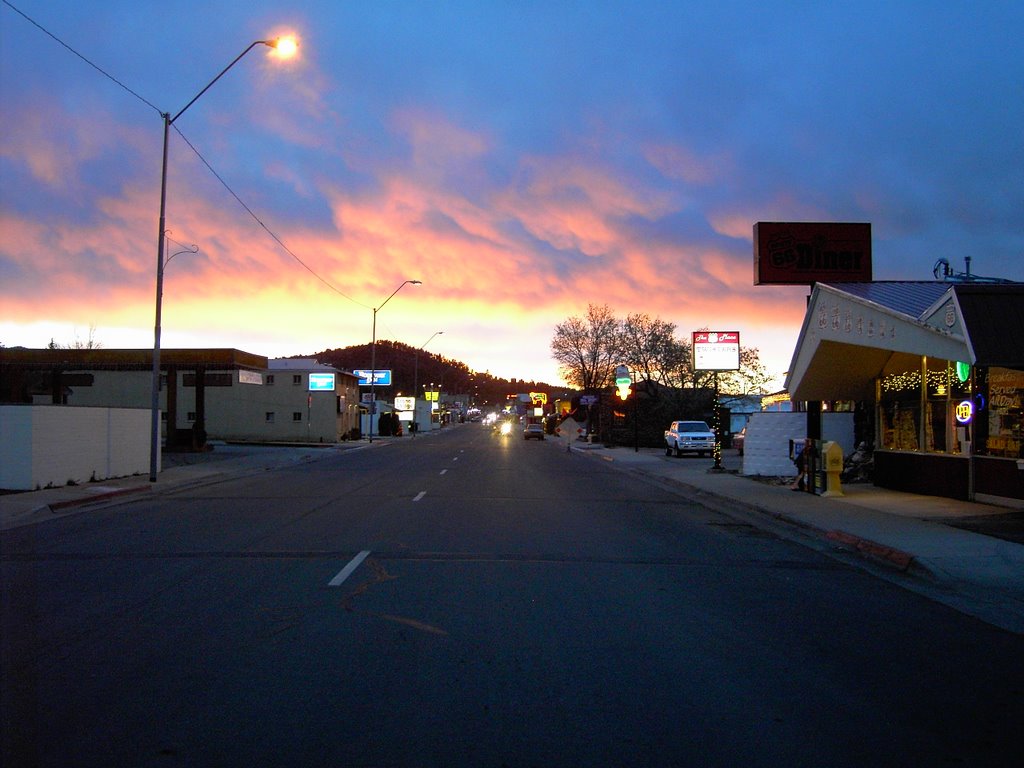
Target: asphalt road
466	599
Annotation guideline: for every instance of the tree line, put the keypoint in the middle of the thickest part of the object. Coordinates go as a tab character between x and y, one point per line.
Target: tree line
588	349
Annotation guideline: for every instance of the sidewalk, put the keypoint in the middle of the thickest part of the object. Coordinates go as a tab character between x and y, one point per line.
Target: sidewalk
180	470
911	535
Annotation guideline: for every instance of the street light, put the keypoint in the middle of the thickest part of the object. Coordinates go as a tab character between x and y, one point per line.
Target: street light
285	46
373	352
416	382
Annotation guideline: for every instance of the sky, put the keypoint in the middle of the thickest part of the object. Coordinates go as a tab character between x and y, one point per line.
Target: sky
522	160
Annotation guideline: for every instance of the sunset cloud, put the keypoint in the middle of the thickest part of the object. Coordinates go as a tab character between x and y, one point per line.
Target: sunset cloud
520	171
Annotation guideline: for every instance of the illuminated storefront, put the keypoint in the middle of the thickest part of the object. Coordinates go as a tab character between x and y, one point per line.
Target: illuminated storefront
943	364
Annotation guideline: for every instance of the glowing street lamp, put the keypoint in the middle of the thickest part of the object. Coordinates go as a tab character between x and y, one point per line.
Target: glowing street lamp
373	352
283	46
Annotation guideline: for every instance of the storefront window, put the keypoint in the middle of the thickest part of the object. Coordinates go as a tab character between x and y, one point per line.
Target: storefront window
945	391
1005	423
903	406
900	410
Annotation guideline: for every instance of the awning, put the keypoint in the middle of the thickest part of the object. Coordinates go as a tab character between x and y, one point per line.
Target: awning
847	342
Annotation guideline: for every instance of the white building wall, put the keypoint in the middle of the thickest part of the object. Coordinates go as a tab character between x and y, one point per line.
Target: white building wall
239	412
15	447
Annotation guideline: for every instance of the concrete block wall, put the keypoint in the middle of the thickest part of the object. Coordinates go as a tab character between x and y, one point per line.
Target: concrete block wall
766	446
52	445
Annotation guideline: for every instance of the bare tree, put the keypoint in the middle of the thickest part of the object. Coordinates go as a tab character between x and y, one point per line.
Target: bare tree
649	348
750	378
588	349
90	343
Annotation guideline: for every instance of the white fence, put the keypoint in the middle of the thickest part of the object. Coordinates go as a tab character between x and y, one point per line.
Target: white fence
766	444
54	445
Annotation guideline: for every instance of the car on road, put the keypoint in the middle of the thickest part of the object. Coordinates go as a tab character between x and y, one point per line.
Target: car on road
738	439
689	437
533	430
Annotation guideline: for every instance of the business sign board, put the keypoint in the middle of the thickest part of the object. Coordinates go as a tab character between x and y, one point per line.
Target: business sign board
381	378
321	382
716	350
405	403
249	377
802	253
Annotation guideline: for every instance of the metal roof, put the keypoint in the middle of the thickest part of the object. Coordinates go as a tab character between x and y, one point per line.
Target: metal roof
910	298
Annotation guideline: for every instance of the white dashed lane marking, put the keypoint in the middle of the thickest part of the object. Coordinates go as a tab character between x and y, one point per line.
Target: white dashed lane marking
345	572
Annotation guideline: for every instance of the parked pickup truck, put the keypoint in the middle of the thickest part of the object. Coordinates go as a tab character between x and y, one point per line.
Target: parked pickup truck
689	436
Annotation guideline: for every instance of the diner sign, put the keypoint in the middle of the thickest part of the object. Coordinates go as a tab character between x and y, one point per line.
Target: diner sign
716	350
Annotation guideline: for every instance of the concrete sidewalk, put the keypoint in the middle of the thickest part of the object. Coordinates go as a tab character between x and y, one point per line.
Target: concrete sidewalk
180	470
909	534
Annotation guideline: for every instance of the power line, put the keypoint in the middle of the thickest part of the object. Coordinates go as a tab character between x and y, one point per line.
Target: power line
97	67
267	229
209	167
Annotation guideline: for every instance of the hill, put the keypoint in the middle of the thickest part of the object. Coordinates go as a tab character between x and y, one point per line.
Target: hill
412	368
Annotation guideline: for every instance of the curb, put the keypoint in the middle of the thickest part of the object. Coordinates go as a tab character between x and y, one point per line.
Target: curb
81	502
889	555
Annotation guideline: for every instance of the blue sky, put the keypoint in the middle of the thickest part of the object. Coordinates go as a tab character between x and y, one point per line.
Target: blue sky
521	159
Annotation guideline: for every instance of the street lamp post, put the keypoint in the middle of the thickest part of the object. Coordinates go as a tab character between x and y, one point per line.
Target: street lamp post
373	352
416	383
286	46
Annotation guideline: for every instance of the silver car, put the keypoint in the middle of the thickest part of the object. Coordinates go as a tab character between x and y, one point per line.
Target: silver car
533	430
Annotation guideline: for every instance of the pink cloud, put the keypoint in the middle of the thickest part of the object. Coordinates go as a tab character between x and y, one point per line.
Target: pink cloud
682	164
412	223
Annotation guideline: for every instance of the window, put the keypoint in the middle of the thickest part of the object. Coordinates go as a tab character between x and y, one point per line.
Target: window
270	417
916	415
1005	421
900	410
297	379
296	415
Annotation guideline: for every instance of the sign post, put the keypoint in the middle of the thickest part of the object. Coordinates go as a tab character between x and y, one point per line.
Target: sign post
716	351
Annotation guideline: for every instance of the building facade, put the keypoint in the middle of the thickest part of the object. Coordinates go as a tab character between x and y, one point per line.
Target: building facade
204	394
942	364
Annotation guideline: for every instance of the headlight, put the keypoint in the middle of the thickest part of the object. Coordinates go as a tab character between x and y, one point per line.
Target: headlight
506	428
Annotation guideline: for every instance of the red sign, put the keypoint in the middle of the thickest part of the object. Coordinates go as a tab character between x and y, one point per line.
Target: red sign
802	253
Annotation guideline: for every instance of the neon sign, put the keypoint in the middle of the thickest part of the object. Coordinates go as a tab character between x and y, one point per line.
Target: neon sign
964	411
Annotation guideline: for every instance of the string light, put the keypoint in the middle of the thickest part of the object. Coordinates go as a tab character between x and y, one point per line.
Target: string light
938	381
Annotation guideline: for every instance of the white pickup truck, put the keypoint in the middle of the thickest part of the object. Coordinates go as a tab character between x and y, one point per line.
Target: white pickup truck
689	436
